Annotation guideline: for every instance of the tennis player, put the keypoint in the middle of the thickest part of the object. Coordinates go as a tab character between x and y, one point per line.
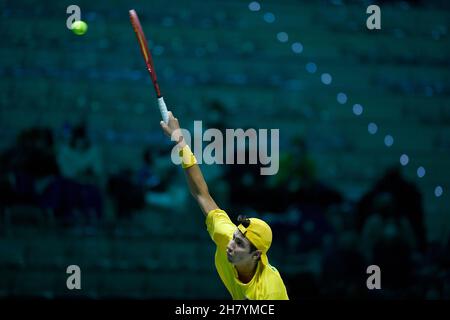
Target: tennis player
241	254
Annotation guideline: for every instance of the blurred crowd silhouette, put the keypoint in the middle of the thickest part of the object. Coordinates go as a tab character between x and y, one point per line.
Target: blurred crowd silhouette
327	241
222	63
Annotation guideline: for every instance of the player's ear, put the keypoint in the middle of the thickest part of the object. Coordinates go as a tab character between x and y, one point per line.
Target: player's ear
257	255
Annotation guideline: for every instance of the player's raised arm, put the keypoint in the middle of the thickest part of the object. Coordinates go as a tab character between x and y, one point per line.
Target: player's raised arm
196	182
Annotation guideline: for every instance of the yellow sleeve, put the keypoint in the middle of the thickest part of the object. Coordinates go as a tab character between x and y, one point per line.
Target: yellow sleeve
220	227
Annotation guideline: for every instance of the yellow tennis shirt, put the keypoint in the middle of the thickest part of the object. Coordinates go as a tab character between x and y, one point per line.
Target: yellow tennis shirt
266	283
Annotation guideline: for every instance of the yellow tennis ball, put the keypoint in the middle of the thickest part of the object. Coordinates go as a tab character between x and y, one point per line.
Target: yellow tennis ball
79	27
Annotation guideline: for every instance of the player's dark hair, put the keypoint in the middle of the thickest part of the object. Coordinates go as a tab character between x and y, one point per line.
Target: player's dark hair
246	223
243	220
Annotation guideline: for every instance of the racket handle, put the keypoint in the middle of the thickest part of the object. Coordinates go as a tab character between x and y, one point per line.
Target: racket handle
163	110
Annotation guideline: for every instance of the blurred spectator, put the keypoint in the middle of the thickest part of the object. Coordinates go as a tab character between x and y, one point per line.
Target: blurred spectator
394	197
29	170
80	159
394	256
128	188
245	182
162	193
390	221
216	116
297	182
343	267
147	178
81	165
126	195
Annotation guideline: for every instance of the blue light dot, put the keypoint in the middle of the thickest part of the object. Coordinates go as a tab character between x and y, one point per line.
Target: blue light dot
269	17
421	172
342	98
326	78
404	159
357	109
388	140
297	47
254	6
372	128
282	36
311	67
438	191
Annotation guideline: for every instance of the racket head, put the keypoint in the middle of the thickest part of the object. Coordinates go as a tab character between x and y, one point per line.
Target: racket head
143	45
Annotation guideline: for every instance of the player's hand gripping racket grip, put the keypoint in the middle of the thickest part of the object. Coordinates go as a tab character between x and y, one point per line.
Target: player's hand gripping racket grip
163	110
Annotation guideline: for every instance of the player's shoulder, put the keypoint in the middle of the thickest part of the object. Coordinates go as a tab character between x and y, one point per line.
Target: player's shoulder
271	281
271	273
217	214
216	211
218	218
271	269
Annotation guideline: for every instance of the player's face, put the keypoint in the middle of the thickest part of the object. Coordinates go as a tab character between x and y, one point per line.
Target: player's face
238	249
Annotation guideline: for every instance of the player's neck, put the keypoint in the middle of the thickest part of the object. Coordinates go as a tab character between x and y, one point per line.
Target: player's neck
246	272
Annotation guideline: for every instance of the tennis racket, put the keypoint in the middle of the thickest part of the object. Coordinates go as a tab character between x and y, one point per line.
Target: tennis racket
149	63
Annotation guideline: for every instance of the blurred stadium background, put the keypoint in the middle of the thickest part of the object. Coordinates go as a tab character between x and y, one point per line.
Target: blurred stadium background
86	176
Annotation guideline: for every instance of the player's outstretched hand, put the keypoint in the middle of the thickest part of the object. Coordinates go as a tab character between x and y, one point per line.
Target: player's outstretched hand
172	128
